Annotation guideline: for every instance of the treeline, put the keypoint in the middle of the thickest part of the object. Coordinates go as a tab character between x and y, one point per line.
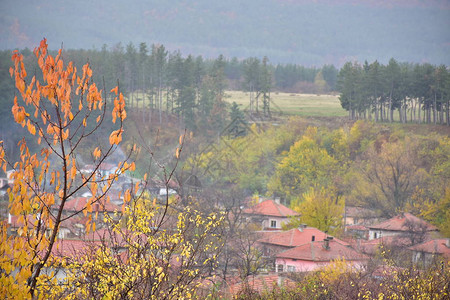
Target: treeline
418	92
162	83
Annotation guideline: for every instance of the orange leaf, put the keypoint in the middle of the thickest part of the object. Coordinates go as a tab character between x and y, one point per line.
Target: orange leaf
115	90
116	137
97	153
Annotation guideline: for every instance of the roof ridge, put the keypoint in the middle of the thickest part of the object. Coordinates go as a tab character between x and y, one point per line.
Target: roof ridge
277	205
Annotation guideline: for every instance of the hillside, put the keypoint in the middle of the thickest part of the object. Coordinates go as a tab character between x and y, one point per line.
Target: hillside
288	31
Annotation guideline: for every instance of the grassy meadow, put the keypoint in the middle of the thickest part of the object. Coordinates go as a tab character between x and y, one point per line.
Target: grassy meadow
305	105
295	104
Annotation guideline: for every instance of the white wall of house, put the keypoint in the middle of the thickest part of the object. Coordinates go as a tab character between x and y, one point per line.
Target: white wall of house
274	222
378	233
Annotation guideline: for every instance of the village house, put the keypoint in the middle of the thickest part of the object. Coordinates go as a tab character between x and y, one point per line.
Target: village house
318	254
404	225
360	216
428	252
104	169
77	204
271	214
272	243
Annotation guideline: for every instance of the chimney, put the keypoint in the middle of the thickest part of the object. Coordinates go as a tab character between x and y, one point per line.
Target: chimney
447	242
301	227
9	218
326	244
277	200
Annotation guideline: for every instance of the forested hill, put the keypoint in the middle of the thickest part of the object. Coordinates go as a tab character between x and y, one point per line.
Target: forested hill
304	32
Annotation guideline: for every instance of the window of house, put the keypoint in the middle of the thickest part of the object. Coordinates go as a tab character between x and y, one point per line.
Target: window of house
280	268
273	224
291	268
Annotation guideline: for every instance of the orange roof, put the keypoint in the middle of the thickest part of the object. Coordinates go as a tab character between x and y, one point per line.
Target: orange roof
270	208
72	248
315	251
438	246
294	237
371	246
79	203
29	220
405	222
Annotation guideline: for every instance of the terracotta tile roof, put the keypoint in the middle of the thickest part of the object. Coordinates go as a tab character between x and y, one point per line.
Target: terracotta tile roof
72	248
109	236
371	247
79	203
261	283
14	221
437	246
294	237
315	251
270	208
404	222
357	227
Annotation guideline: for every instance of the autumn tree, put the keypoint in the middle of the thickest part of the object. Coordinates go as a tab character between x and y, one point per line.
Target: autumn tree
306	165
152	251
61	110
322	208
390	177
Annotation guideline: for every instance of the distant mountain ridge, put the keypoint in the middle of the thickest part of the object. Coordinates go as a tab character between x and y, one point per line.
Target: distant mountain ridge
287	31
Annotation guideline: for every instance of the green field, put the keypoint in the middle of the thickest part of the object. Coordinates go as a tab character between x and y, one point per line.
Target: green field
305	105
295	104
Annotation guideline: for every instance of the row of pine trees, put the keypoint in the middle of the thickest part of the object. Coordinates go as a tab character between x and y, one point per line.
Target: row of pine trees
402	92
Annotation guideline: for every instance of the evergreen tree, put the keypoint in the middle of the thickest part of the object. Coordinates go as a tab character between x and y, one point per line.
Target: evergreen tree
238	124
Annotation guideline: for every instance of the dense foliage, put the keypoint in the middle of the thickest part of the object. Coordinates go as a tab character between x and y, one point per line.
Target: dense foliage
389	168
419	92
339	282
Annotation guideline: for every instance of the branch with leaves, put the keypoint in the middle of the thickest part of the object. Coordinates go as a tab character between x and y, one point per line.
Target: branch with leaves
61	110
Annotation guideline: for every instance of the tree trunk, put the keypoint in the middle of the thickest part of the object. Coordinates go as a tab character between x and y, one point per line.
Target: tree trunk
390	110
434	109
419	111
376	112
448	113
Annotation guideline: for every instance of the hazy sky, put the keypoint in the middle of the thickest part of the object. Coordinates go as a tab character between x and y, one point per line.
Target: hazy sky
297	31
